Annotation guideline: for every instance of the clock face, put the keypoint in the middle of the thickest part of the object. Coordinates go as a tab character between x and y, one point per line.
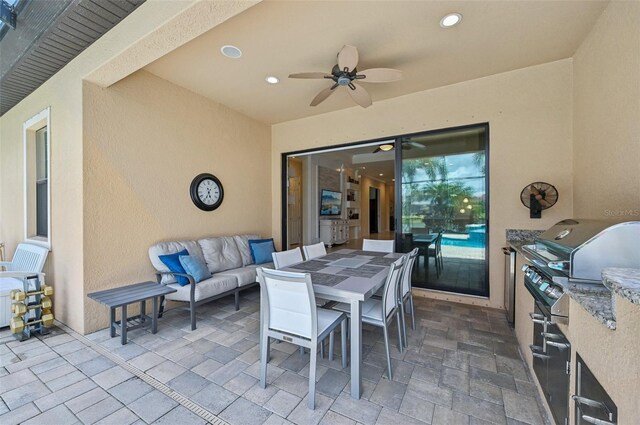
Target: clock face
206	192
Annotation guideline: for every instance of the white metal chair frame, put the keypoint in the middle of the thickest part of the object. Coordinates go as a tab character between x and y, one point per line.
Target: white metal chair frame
435	251
378	245
284	259
314	251
284	330
27	258
405	294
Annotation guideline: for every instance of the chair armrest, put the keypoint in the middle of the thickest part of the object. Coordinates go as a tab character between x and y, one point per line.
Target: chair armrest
192	282
22	275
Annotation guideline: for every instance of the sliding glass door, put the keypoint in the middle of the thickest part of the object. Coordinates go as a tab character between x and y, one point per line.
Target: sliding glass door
444	199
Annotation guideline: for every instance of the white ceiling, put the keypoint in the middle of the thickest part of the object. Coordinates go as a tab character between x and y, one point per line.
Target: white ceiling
283	37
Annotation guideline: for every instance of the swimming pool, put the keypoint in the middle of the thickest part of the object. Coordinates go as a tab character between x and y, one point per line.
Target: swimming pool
455	240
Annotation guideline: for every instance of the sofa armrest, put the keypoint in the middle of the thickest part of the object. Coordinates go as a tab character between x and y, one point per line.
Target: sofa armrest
192	282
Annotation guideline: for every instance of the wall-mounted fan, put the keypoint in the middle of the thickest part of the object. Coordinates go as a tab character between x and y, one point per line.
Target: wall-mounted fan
538	196
345	74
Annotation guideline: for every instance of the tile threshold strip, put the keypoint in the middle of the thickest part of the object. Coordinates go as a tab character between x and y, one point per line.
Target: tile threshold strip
182	400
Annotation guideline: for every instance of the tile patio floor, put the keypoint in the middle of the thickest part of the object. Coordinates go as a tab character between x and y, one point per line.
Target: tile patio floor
462	367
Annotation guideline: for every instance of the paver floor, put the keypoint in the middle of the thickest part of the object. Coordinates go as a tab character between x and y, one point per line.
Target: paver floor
462	367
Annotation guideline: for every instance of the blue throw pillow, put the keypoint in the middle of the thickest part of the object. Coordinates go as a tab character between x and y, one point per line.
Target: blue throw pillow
172	261
195	267
261	250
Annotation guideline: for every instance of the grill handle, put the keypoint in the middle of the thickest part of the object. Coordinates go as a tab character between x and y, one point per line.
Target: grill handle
537	318
560	345
580	401
596	421
536	352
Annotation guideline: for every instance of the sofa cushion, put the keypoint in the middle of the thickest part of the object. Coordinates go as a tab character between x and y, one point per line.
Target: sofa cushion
195	267
221	253
244	275
207	288
242	241
261	250
172	261
163	248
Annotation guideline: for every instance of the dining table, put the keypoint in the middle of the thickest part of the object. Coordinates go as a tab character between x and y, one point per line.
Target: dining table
350	276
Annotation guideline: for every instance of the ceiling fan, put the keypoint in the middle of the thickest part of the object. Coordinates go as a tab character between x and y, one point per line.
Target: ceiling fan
346	74
406	145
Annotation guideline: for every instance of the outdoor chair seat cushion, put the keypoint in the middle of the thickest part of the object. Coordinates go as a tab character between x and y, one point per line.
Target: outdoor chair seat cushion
243	275
215	285
326	318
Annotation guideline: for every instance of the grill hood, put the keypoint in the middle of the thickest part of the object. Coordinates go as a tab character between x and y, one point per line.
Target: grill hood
592	245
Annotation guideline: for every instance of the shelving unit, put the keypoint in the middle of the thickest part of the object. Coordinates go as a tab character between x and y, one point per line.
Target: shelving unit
352	204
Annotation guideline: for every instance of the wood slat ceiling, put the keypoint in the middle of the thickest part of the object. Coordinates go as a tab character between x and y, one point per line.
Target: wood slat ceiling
53	38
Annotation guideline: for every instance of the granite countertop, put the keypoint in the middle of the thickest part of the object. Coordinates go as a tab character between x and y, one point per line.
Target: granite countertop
596	299
624	282
516	238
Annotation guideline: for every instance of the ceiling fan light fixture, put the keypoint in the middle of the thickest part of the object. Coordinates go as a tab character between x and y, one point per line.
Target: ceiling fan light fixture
450	20
230	51
386	147
272	79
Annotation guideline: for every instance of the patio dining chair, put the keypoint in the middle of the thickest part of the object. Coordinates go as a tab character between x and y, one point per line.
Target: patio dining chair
380	313
405	294
289	313
378	245
287	258
314	251
27	258
435	251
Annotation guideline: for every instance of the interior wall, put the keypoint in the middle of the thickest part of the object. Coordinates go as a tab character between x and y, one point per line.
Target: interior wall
530	119
145	139
606	121
366	183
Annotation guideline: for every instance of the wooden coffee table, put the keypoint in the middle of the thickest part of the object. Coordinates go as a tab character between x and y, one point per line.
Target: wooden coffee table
125	295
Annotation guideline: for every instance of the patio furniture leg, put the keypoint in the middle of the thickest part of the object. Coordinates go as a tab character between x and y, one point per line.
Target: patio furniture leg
154	318
162	303
343	336
404	326
301	349
112	319
192	310
400	342
123	325
413	317
356	348
264	358
331	340
312	378
237	296
386	347
143	311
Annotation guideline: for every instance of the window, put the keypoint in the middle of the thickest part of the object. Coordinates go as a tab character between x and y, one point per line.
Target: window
37	193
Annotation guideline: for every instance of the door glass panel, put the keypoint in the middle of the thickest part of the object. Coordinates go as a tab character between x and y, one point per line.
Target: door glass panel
444	193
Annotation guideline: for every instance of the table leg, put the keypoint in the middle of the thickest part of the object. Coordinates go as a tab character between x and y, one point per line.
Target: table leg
356	348
143	312
112	320
154	317
123	324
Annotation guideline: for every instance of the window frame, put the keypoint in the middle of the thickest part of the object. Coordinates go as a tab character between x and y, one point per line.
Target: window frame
33	124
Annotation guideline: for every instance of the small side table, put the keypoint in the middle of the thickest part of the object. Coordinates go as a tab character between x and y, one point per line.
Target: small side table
125	295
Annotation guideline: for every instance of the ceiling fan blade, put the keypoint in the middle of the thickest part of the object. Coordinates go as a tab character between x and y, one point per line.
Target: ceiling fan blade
320	97
417	145
348	58
310	75
377	150
380	75
360	95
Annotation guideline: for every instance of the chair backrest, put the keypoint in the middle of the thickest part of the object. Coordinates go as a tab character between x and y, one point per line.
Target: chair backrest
288	302
378	245
287	258
408	271
390	295
439	241
314	251
28	258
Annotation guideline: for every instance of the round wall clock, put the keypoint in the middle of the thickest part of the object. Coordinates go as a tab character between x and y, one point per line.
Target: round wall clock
206	192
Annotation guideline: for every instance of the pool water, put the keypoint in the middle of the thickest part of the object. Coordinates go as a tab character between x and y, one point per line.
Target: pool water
473	241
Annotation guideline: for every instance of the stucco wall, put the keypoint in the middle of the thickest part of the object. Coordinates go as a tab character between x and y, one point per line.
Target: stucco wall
606	125
529	113
145	139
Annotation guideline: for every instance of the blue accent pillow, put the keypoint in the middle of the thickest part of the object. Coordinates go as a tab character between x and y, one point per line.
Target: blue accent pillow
195	267
172	261
261	250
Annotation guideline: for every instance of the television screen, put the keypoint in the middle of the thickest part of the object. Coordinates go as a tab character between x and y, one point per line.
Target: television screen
330	202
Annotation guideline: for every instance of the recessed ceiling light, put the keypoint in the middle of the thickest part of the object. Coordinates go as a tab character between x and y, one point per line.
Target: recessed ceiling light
381	174
450	20
272	80
231	51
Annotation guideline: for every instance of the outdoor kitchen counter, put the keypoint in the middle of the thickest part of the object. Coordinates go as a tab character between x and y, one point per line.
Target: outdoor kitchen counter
623	282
